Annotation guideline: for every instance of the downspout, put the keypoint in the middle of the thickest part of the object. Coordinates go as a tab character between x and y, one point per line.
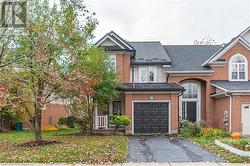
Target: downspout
230	110
133	85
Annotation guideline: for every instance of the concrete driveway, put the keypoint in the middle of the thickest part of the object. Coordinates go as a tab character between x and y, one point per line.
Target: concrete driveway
166	149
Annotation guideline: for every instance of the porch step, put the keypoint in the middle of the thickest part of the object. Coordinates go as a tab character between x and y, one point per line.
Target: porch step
110	131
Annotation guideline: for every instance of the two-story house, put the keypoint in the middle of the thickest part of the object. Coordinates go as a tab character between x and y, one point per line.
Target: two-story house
163	84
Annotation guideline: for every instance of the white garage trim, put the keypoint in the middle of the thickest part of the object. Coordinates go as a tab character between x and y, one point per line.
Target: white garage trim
153	101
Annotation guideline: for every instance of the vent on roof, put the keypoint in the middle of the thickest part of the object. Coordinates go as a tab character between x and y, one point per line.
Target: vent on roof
221	60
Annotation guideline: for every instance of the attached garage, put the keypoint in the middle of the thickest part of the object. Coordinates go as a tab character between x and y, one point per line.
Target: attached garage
151	117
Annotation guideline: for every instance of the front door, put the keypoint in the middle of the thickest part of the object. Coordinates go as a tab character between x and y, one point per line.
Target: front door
190	101
189	110
245	119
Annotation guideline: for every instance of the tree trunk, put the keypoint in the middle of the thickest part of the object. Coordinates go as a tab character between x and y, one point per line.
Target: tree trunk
38	112
90	115
37	123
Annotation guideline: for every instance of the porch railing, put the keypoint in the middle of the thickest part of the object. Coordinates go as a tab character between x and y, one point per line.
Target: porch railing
101	122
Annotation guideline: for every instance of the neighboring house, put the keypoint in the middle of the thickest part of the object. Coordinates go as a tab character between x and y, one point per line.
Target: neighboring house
154	76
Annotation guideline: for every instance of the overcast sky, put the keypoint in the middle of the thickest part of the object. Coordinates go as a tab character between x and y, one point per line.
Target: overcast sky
171	21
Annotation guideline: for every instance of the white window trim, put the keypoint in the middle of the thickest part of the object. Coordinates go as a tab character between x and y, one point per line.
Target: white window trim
147	68
230	68
198	100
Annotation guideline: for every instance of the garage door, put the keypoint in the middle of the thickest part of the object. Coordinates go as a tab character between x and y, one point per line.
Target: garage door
151	117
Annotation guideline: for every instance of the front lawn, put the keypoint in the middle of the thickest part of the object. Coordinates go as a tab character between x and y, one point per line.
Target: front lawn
208	143
71	149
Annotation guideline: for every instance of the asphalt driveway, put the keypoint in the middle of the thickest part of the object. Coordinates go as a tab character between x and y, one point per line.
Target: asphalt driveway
166	149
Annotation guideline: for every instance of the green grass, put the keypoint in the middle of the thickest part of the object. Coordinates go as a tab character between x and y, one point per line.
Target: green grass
208	143
72	149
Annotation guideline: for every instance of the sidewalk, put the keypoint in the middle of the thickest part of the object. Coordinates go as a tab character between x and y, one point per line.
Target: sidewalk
134	164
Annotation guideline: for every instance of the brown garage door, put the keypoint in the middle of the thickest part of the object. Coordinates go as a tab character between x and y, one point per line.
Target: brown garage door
151	117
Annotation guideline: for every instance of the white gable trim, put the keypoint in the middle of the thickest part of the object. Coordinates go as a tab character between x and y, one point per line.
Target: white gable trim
108	37
116	36
219	87
219	53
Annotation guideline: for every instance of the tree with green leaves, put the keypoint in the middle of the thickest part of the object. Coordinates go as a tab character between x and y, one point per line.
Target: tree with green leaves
54	60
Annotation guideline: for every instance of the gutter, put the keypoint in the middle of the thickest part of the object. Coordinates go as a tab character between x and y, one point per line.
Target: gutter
230	110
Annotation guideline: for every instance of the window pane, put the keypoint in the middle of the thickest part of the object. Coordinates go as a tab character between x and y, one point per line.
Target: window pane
117	107
151	74
238	59
242	75
234	75
112	60
144	74
234	67
191	90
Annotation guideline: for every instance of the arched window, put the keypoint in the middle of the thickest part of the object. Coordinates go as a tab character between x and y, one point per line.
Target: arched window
191	90
238	68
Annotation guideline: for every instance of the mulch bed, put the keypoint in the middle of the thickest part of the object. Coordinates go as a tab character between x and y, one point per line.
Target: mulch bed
34	143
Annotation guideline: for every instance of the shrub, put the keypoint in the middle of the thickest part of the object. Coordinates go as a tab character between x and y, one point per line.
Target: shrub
82	124
118	120
69	121
210	132
190	129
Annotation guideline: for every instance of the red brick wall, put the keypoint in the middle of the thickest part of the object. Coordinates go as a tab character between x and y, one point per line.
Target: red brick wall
220	106
51	114
123	67
173	98
54	112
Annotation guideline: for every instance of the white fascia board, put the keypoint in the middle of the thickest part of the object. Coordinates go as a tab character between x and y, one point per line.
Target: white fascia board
108	37
219	87
191	72
113	34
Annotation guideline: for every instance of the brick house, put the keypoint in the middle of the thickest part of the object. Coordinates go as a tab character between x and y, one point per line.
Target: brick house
165	83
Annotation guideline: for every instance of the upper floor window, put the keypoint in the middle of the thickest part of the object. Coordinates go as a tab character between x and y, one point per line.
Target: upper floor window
238	68
147	74
112	59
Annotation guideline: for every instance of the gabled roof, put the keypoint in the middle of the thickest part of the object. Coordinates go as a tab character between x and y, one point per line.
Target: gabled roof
120	44
226	47
151	87
188	58
149	53
232	86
